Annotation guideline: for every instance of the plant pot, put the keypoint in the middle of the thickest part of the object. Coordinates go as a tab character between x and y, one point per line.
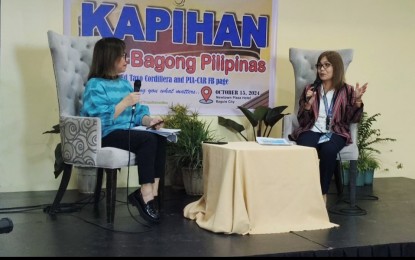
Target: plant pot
173	173
87	179
369	177
345	177
193	181
360	179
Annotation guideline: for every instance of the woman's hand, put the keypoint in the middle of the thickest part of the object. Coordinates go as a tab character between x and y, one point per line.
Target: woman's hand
359	91
132	99
155	121
128	101
310	96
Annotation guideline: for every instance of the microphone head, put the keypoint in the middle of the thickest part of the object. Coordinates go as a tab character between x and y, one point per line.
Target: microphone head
137	85
317	82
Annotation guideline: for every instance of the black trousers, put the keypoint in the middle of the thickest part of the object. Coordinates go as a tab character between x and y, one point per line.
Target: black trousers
149	148
327	153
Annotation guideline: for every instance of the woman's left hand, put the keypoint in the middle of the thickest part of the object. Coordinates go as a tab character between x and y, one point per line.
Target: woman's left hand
359	91
155	121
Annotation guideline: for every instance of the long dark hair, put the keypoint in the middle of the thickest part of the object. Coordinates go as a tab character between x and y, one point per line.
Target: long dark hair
338	68
106	53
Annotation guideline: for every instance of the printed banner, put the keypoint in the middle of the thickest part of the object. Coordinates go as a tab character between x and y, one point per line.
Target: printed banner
210	55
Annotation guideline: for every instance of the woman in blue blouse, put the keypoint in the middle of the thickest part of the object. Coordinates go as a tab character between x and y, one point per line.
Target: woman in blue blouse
112	99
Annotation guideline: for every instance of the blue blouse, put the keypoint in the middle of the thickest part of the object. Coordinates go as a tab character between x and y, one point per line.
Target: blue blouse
100	98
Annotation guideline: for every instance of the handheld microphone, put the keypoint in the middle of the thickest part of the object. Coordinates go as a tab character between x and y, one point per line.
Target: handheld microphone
314	86
137	86
6	225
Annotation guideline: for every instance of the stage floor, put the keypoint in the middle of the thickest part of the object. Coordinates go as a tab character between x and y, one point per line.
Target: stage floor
387	228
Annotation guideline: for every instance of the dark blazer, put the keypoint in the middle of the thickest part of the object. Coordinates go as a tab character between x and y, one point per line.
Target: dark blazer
345	112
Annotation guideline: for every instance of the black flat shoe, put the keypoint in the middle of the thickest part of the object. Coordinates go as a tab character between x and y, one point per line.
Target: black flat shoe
146	210
157	204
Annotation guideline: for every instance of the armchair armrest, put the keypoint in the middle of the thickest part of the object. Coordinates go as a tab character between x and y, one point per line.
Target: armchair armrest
289	123
353	132
81	139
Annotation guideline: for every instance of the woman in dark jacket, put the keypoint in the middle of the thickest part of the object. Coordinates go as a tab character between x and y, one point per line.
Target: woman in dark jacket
326	110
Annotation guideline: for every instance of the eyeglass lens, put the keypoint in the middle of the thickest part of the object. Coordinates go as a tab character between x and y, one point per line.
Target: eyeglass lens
325	65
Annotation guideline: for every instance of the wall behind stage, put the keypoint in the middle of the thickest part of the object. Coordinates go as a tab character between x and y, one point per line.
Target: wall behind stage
381	32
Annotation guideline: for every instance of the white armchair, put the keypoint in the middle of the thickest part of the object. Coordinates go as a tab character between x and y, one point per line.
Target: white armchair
81	136
303	62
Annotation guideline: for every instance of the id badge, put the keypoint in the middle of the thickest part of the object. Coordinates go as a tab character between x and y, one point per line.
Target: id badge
324	138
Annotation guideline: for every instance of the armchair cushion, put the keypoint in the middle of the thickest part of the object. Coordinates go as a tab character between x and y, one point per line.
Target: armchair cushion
113	158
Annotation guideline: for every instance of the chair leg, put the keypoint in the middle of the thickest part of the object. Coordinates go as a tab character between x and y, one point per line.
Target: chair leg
338	178
352	209
98	187
66	176
111	194
352	187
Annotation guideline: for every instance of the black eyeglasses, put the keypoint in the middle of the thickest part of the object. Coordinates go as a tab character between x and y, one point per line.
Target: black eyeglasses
124	55
325	65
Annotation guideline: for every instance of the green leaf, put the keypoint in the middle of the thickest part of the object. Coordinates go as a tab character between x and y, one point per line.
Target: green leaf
59	164
188	149
55	130
367	139
260	113
274	115
249	115
230	124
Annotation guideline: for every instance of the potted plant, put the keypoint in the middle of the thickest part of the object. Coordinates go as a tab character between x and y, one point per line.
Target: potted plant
187	152
367	139
259	117
177	116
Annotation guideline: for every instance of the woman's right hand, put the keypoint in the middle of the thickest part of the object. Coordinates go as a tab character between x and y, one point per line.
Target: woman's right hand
310	96
132	99
128	101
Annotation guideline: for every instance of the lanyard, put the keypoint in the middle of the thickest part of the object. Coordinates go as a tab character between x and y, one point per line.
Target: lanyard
329	109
